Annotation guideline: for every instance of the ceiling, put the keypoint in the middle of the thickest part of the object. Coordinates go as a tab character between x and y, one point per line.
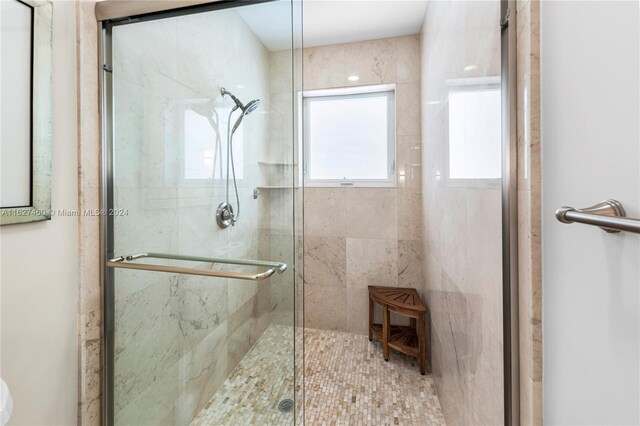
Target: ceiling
335	21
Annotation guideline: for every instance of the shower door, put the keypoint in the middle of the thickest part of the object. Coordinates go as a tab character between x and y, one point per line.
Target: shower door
199	319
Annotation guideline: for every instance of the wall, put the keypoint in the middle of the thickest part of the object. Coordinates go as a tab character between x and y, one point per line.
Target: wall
39	269
178	337
462	222
529	202
590	152
89	149
15	164
355	237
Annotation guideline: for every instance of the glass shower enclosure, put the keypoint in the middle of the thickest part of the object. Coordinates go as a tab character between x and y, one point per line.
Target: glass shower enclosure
199	179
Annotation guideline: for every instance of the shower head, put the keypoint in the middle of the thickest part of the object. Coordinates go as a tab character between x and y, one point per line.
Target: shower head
251	106
246	109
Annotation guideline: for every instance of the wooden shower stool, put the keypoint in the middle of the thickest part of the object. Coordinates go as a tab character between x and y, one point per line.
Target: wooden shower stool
410	339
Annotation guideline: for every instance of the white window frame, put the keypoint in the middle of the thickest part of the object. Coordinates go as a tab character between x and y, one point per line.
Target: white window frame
352	92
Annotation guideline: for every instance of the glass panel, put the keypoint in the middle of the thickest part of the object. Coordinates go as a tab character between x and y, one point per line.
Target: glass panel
195	349
462	207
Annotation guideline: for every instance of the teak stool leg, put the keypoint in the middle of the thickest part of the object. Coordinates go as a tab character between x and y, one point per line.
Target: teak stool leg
386	331
370	319
422	344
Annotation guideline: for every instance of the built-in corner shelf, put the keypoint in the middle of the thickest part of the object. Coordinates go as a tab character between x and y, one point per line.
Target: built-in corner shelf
272	187
276	163
276	187
276	174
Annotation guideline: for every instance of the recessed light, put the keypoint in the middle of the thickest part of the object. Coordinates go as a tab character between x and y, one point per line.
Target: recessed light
470	67
353	78
240	86
433	102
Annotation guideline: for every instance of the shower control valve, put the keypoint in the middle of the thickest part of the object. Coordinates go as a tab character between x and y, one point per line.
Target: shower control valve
224	215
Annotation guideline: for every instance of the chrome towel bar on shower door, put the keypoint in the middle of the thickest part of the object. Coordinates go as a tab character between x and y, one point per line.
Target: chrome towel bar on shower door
127	262
608	215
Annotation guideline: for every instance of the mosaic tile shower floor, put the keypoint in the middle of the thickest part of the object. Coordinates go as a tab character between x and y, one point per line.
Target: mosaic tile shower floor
251	394
347	382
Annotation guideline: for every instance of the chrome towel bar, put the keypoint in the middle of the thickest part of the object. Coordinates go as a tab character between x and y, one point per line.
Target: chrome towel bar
127	262
608	215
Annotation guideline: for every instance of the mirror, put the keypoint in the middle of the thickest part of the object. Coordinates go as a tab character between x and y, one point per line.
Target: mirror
26	110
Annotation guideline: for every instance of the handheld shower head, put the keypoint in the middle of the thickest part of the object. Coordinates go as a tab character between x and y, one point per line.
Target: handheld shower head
251	106
246	109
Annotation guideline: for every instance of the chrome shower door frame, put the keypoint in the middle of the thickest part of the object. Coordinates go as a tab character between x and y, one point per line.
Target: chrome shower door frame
107	224
510	299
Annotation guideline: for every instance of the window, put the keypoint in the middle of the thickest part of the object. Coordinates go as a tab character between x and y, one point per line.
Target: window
349	136
475	149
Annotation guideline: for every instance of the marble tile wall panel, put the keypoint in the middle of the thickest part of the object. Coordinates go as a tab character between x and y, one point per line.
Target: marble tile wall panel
155	404
357	311
408	161
201	371
409	214
372	262
374	61
529	210
242	332
90	291
324	307
198	309
193	366
325	212
371	213
147	338
325	261
410	259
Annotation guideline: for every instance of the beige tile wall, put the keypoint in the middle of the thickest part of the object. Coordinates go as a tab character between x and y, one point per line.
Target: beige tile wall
356	237
529	211
90	292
